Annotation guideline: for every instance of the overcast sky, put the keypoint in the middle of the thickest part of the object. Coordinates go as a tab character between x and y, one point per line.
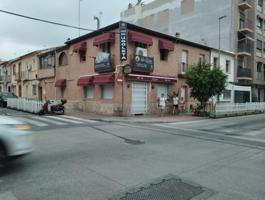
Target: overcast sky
19	36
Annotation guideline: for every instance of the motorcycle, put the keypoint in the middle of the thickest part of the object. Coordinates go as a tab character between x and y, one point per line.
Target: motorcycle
53	107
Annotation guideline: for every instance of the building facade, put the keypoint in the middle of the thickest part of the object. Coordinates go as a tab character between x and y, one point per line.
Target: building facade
234	92
5	77
242	30
23	76
111	73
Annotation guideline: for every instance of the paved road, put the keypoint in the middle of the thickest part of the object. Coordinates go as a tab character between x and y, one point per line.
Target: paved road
98	160
249	128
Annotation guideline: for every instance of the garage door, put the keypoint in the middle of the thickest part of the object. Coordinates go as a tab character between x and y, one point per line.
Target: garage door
139	98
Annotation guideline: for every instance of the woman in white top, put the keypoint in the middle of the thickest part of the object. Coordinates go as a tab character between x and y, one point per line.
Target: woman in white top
162	104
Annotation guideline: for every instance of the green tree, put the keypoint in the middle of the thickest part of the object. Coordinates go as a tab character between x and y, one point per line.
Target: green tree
205	82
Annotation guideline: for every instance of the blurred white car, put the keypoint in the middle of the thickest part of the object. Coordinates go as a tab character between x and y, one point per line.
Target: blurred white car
15	139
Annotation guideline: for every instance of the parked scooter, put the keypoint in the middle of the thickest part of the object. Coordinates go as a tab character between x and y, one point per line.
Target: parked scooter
53	107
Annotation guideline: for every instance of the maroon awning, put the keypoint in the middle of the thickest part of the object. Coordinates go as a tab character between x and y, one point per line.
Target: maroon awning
167	45
81	46
60	83
152	78
104	38
85	80
104	79
141	38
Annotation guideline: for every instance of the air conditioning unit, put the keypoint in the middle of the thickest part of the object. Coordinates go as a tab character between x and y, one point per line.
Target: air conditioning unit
29	67
141	51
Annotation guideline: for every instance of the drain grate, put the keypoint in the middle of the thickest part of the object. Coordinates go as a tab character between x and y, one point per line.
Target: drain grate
171	189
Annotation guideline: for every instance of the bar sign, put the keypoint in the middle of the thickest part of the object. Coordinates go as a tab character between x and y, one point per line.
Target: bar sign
123	41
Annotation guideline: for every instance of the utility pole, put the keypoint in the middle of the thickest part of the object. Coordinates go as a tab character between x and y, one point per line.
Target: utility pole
79	11
219	40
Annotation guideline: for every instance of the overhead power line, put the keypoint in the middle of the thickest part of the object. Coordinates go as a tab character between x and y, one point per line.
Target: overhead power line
46	21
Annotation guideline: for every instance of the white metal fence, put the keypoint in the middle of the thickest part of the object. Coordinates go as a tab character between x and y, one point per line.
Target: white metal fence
238	108
32	106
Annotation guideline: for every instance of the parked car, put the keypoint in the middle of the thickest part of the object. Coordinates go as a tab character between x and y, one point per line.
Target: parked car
15	139
4	96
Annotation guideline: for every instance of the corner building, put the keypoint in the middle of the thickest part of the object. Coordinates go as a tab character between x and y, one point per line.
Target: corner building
93	78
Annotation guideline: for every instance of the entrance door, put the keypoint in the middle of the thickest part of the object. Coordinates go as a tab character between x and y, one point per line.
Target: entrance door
139	98
40	93
19	91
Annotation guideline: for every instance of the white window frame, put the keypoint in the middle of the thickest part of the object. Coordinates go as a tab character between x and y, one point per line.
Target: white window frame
162	88
107	91
88	92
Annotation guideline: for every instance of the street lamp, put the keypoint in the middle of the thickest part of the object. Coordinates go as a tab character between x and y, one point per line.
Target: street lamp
79	1
219	45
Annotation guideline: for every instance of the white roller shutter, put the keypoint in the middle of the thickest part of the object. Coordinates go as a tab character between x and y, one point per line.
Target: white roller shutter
139	98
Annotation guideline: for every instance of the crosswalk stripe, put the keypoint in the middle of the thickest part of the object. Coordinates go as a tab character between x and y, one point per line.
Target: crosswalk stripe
48	120
66	120
33	122
77	118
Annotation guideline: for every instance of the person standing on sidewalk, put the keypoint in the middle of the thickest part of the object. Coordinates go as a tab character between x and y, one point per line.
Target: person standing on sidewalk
182	104
162	104
175	102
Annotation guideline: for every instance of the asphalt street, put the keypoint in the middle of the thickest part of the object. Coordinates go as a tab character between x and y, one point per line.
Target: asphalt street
98	160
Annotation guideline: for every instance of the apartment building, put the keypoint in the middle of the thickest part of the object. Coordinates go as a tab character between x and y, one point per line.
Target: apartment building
234	92
5	77
124	68
46	74
23	75
242	30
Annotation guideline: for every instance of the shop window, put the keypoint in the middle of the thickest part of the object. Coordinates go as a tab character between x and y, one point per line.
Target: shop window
82	56
163	54
162	89
227	94
63	60
107	91
88	92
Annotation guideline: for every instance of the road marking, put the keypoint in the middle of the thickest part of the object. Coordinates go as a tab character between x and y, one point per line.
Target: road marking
80	119
33	122
7	196
65	120
49	120
255	133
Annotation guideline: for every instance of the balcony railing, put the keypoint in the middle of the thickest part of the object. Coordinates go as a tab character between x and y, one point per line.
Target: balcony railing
46	73
8	78
246	26
244	73
17	77
244	47
244	4
24	75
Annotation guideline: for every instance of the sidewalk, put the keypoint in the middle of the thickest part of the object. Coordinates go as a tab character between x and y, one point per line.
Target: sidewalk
137	119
